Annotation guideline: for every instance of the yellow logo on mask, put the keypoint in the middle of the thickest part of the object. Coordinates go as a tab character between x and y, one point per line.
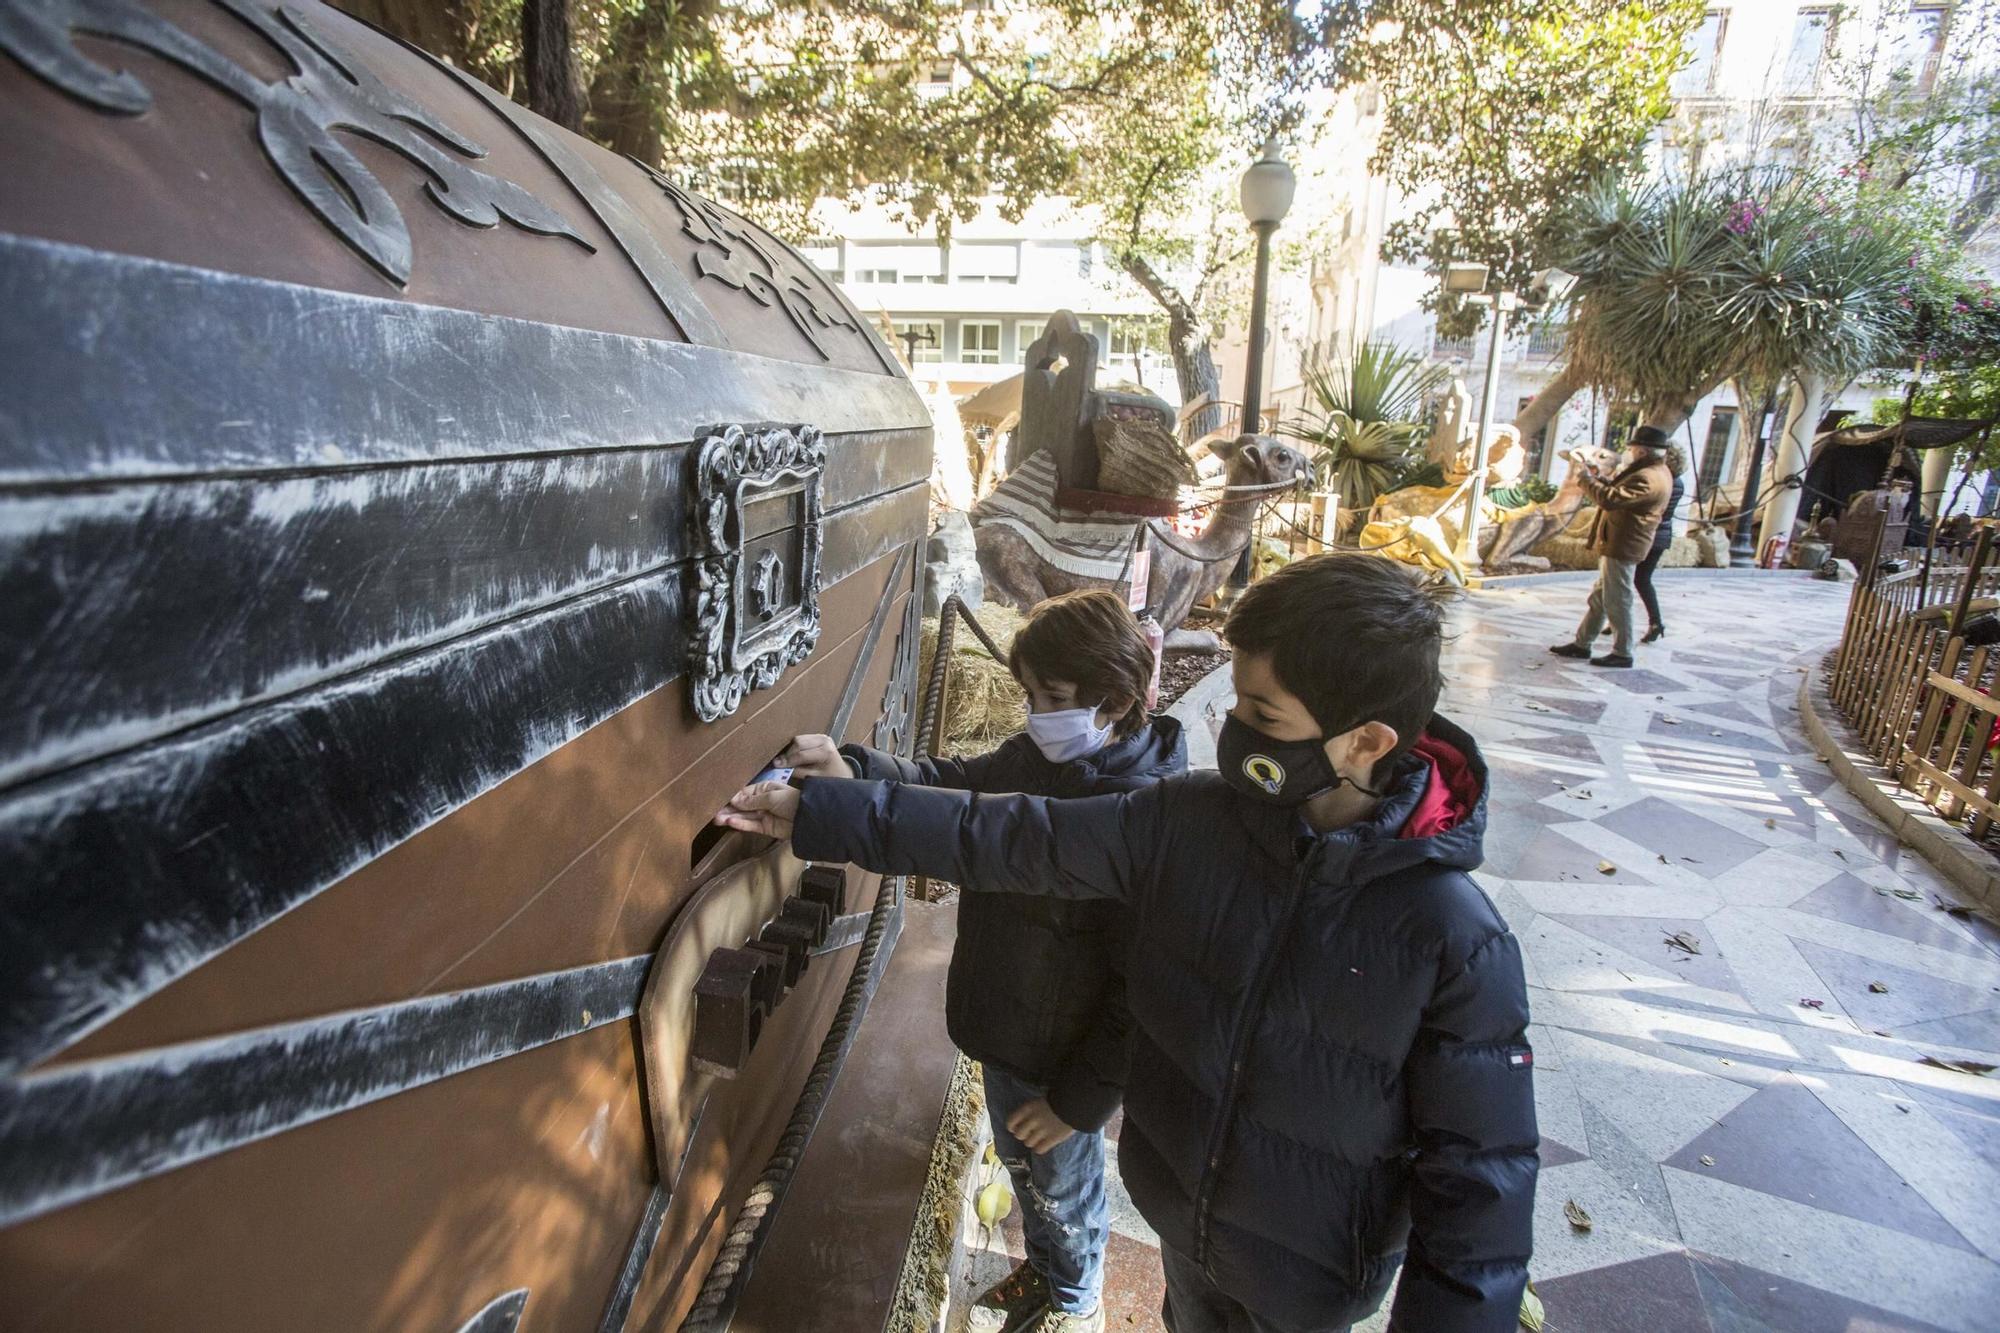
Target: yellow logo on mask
1266	772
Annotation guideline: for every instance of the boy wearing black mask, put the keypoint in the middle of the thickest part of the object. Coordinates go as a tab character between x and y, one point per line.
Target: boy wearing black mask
1331	1076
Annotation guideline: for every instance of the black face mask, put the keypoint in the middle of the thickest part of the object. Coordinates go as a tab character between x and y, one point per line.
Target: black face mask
1274	771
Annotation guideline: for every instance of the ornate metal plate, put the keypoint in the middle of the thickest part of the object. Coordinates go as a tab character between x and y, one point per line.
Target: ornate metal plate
758	520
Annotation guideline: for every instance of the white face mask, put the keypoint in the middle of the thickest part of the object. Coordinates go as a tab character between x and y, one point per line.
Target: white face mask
1070	734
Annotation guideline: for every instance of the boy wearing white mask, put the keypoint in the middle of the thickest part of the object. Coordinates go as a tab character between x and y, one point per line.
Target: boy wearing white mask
1036	992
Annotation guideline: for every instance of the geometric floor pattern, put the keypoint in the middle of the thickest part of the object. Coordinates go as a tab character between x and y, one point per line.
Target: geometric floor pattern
1736	976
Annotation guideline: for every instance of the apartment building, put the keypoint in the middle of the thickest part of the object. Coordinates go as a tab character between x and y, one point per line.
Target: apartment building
965	313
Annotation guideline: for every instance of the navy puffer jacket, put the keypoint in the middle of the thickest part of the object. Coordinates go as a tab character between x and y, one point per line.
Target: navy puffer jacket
1037	985
1330	1068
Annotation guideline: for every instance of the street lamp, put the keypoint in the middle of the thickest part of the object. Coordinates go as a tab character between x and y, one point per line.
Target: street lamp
1470	281
1266	194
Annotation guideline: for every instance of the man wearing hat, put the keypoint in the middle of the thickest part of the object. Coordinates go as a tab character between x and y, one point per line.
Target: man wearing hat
1630	506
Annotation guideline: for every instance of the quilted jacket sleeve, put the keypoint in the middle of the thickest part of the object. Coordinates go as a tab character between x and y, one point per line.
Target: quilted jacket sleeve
880	766
1086	1091
1010	844
1472	1112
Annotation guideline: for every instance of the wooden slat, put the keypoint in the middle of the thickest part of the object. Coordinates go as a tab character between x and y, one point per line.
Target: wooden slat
1982	710
1958	791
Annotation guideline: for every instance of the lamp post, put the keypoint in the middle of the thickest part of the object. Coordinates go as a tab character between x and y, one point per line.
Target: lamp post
1470	281
1266	194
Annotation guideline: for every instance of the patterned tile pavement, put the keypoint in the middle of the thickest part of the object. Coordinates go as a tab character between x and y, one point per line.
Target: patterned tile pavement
1751	1162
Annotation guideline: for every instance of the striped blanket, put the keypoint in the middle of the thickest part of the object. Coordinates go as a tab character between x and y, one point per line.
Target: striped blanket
1087	545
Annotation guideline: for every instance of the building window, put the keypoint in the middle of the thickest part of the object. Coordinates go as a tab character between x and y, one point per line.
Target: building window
930	340
1697	77
1812	33
979	341
986	262
1025	333
1715	453
1447	349
1085	259
1919	46
937	80
1134	338
896	263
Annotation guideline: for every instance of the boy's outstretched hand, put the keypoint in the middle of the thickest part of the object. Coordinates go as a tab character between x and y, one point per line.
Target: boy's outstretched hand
1037	1126
815	756
769	808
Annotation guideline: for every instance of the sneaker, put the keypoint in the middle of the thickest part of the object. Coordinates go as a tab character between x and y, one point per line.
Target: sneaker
1611	660
1570	650
1013	1303
1062	1321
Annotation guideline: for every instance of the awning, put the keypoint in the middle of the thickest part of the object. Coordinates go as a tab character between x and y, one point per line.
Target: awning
1914	433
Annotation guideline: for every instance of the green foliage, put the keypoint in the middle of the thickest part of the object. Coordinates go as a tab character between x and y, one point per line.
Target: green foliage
1497	117
1364	419
1682	285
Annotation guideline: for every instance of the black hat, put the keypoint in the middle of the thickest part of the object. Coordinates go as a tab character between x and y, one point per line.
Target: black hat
1650	437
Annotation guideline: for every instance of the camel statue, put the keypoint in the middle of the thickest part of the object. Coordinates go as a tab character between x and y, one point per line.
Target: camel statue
1515	537
1030	551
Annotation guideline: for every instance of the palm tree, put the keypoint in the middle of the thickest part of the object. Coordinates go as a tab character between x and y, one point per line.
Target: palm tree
1364	416
1753	276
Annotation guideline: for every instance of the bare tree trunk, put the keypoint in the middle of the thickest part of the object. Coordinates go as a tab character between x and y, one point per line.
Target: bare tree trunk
1187	340
1547	405
550	62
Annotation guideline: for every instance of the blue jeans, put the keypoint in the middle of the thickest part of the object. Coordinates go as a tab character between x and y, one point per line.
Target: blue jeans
1063	1210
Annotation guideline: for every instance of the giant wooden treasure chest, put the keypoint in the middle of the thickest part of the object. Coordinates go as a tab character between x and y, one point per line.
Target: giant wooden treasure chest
415	522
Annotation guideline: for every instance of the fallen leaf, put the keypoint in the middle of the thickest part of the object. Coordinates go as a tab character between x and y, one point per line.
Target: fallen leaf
1842	855
1957	1066
1531	1311
1706	1160
1770	823
1878	988
1606	868
1534	707
1670	721
1663	858
1908	895
1953	909
1728	1062
1577	1217
1715	733
1812	1004
1580	794
1680	939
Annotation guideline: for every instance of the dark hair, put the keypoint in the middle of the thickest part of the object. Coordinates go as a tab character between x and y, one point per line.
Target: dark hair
1356	637
1090	640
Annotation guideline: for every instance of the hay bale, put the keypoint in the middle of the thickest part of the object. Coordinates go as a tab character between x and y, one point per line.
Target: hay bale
984	704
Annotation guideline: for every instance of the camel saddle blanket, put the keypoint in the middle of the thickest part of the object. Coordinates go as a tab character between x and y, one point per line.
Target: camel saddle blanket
1086	545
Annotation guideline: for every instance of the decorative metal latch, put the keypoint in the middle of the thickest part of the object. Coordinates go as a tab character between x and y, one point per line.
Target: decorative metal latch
758	520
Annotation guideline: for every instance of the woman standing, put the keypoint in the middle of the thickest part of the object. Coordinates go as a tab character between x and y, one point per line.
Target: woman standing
1656	628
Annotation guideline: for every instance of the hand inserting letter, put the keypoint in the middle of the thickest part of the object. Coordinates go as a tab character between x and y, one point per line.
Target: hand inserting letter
815	756
768	808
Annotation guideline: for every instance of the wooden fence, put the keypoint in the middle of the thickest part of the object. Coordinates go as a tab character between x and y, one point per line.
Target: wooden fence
1913	688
